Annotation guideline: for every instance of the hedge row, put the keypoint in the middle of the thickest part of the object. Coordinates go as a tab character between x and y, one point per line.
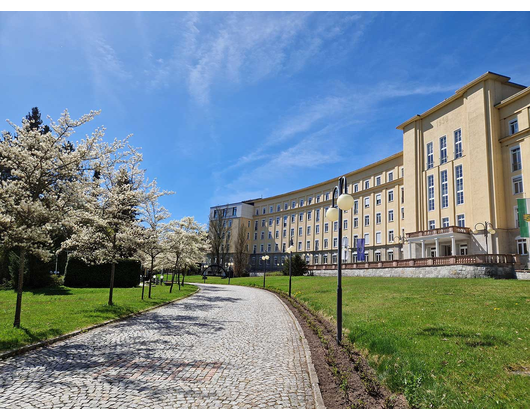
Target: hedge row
80	274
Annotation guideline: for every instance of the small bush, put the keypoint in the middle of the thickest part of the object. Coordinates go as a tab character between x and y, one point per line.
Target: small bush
299	266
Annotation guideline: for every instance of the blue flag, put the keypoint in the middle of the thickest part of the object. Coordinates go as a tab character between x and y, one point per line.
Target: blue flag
360	250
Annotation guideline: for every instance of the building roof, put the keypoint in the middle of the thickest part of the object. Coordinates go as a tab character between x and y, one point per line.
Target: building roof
459	93
513	98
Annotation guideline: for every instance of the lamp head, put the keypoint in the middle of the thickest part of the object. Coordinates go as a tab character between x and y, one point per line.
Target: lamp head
475	231
345	202
491	231
332	214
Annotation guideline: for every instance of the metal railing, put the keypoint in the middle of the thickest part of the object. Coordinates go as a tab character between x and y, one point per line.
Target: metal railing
497	259
439	231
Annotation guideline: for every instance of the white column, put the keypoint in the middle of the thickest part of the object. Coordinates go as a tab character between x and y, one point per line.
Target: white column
437	244
422	249
453	245
410	250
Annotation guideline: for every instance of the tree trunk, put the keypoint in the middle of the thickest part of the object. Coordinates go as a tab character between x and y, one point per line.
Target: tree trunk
184	275
112	271
143	285
178	278
173	276
18	310
151	275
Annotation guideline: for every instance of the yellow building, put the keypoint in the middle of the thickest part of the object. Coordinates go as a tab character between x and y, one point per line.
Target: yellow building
452	191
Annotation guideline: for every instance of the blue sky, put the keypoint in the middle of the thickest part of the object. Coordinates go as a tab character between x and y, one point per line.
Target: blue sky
232	106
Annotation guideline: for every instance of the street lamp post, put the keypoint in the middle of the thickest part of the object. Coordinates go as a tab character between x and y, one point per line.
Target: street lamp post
230	264
265	258
290	251
334	213
401	241
486	228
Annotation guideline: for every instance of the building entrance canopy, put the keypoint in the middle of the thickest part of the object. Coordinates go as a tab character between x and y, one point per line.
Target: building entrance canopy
435	237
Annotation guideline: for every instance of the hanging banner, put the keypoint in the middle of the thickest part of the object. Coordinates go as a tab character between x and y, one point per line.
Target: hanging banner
523	207
360	250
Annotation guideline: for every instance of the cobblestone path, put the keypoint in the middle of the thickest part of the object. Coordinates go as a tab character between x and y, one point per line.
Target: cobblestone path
224	347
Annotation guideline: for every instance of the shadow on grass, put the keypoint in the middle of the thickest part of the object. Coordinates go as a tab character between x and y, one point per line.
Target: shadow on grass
471	339
32	337
51	291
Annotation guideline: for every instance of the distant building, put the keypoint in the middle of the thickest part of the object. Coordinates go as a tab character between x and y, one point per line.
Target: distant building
464	162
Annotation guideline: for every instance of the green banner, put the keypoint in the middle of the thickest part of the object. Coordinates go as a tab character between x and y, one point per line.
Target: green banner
523	207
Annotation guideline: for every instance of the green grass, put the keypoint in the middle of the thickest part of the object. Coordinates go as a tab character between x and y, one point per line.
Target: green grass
445	343
53	311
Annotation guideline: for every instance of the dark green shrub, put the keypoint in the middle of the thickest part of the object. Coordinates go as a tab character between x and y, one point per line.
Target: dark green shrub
80	274
299	266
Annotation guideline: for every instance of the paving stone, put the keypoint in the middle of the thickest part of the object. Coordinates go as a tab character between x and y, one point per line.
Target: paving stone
224	347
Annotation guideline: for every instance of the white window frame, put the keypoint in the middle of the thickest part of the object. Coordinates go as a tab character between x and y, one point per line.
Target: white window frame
378	218
443	150
390	196
378	237
430	192
430	155
391	236
355	222
458	143
459	189
390	215
463	216
378	200
432	224
519	177
377	181
366	239
518	164
367	220
444	220
390	176
513	126
444	189
366	202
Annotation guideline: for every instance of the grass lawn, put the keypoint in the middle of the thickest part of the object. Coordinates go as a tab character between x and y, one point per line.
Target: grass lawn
447	343
53	311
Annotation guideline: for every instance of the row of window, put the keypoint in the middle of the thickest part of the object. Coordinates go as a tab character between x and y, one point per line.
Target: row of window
444	190
443	149
327	196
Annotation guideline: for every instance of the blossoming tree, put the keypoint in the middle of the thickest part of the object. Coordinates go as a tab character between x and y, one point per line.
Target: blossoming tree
42	186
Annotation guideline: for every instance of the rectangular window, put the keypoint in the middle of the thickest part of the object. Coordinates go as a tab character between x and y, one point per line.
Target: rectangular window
271	209
334	259
391	196
366	202
308	215
356	207
300	231
432	224
318	199
270	222
285	233
366	185
377	237
325	259
356	188
390	236
301	217
293	218
301	202
517	182
367	220
317	215
270	234
430	156
234	211
309	201
284	221
292	232
514	126
390	176
327	196
443	150
254	249
522	247
326	227
345	224
286	206
308	245
444	189
299	245
277	234
276	249
367	239
293	204
390	256
458	144
355	237
317	244
402	195
262	235
355	222
317	229
326	244
445	222
459	175
335	242
315	259
377	180
430	192
516	158
402	213
277	221
516	216
263	222
255	236
309	230
378	218
264	210
335	226
461	220
261	249
255	225
390	215
378	199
